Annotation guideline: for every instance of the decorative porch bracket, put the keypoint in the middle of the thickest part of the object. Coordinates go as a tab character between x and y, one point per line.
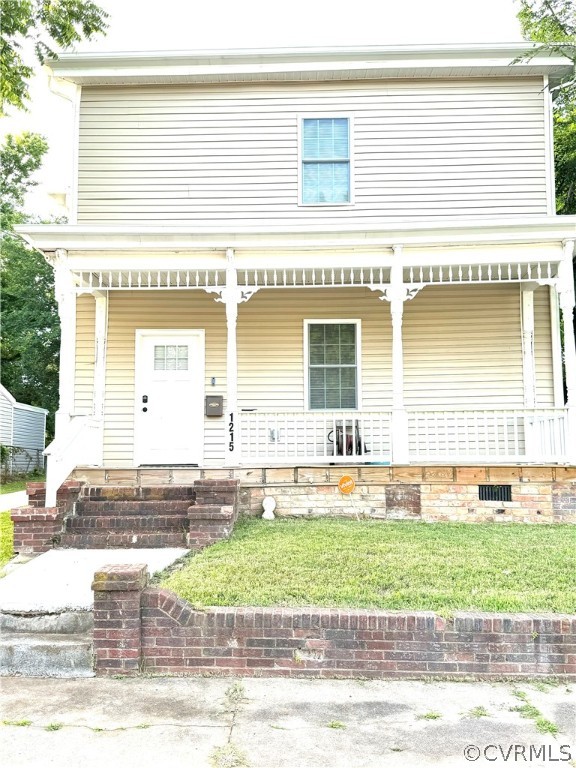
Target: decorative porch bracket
231	295
396	293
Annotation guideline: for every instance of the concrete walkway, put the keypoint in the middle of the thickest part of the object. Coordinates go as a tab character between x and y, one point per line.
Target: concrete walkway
275	723
61	579
13	500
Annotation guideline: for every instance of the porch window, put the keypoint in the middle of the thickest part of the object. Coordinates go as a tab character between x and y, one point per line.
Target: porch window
325	160
332	365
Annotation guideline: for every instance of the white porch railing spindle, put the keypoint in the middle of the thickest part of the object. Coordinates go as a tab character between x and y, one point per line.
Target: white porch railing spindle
340	437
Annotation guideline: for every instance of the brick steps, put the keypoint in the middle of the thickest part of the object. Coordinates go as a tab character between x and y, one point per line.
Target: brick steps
123	540
120	523
135	493
116	517
100	517
106	507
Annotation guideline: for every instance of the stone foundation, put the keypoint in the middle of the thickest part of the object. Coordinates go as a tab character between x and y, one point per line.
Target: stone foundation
538	494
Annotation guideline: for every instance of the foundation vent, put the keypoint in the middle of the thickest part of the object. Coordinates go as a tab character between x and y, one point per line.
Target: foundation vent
495	492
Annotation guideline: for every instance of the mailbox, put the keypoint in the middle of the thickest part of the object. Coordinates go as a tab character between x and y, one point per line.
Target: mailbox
214	405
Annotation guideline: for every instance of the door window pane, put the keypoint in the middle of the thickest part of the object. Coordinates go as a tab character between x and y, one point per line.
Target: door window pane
170	357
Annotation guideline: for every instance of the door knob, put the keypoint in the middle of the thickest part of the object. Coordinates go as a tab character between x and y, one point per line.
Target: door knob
145	409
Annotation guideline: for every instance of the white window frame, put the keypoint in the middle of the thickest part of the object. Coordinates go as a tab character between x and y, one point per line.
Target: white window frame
325	116
331	321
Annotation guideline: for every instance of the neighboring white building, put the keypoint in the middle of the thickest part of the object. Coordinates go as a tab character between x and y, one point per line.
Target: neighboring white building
23	432
355	250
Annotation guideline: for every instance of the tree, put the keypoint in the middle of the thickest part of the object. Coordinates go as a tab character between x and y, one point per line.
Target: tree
20	157
30	327
39	26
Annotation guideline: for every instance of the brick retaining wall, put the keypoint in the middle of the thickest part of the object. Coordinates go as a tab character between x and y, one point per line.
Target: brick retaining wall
168	636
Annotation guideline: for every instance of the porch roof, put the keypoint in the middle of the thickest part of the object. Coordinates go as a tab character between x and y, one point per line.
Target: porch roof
81	237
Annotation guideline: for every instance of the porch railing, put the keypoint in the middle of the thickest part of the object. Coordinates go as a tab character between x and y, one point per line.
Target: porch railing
495	435
345	437
316	436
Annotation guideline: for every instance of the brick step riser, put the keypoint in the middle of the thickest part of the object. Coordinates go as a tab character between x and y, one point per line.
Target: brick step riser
137	493
122	540
127	523
100	508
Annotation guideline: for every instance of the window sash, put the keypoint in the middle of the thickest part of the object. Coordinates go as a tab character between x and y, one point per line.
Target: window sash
326	160
332	366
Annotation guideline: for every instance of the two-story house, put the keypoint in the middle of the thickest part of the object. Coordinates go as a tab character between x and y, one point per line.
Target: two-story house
301	257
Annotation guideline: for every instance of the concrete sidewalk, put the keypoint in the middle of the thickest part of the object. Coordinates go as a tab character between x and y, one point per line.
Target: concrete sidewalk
61	579
276	723
12	500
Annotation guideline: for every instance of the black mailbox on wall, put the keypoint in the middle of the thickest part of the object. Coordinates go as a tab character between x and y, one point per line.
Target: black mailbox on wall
214	405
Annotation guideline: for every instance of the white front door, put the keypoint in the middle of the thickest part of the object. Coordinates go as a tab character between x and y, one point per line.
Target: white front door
169	409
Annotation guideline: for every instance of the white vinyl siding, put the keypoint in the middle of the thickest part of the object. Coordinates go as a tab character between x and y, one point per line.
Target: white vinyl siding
228	155
85	353
543	348
462	349
6	419
24	428
159	310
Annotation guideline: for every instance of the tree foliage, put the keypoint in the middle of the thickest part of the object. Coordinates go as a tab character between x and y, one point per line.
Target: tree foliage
40	26
20	157
30	327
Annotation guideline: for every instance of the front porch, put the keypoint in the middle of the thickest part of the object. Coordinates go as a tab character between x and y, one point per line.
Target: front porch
439	346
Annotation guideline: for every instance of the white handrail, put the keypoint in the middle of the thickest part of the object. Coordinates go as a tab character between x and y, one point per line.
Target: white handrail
79	443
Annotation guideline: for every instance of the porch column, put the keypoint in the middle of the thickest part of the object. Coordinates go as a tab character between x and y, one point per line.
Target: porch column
231	296
99	393
100	342
528	359
231	300
66	297
567	301
396	295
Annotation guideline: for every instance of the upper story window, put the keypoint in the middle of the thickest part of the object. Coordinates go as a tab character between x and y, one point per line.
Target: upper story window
325	161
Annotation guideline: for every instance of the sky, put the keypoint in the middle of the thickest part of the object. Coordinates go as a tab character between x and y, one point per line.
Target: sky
140	25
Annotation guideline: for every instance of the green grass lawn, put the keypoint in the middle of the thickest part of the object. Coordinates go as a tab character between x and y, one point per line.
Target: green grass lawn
20	484
6	538
385	565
